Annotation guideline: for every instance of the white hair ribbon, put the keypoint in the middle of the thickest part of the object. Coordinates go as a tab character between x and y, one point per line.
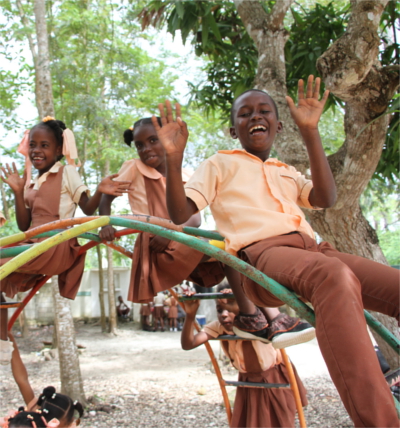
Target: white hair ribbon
69	148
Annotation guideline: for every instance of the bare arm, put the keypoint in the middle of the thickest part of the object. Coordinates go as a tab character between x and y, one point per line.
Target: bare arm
307	115
107	232
173	135
20	374
107	186
11	177
189	340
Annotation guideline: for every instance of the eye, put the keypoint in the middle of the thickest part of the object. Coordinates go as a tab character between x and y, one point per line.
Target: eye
153	140
139	145
244	114
265	111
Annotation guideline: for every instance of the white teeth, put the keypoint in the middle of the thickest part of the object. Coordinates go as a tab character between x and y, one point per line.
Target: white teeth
258	128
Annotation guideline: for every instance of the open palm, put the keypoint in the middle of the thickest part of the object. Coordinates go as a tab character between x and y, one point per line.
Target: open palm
173	134
309	108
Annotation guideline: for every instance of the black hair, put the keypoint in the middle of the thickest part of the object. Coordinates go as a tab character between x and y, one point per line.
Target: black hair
59	406
252	90
57	127
128	133
25	419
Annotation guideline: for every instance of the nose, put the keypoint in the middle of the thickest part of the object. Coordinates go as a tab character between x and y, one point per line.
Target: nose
224	314
256	115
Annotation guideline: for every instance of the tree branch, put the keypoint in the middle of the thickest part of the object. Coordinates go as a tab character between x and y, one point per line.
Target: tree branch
278	13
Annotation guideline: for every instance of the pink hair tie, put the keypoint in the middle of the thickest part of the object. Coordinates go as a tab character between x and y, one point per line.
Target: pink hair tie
69	148
23	148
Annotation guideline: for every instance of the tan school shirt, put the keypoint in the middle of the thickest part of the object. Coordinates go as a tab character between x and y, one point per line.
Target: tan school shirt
250	200
266	354
72	188
134	170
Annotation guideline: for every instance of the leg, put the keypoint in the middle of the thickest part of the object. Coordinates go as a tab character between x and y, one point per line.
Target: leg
335	293
6	346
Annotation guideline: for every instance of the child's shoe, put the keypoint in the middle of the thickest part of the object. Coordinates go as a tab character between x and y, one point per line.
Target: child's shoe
251	326
286	331
283	332
6	350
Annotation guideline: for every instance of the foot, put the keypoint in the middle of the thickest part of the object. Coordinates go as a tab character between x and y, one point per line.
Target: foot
287	331
283	332
253	326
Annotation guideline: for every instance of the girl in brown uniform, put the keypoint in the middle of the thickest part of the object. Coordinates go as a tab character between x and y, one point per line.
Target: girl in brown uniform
53	195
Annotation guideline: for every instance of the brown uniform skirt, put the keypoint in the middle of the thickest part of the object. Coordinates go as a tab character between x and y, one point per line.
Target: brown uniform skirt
262	407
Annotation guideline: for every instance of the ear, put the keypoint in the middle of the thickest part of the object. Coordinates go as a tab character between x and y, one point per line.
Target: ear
58	151
232	131
280	127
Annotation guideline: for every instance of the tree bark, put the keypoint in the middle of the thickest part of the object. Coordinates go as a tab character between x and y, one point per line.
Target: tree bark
351	71
112	305
103	321
71	381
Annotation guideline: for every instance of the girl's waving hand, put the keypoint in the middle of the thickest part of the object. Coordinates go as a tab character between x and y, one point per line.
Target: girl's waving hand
12	178
173	134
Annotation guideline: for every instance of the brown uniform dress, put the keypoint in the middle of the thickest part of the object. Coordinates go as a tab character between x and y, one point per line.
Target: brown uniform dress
155	272
262	407
173	308
62	260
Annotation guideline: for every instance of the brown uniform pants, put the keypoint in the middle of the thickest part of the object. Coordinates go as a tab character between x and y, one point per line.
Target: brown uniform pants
339	286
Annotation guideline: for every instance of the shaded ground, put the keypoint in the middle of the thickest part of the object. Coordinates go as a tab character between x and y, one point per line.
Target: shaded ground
141	379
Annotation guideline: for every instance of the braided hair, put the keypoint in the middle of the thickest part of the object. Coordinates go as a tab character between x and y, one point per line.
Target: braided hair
26	419
57	127
59	406
128	133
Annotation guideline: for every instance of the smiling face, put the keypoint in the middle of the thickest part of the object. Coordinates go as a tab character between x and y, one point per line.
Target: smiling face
255	123
44	151
226	310
149	148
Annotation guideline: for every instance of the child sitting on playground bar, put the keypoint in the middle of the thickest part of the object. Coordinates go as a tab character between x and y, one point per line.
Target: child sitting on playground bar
256	361
255	201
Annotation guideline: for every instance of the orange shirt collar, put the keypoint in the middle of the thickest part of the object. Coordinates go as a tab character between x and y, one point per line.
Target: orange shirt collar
275	161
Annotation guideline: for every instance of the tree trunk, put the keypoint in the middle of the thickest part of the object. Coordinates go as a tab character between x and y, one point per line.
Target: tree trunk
351	71
103	321
71	381
112	305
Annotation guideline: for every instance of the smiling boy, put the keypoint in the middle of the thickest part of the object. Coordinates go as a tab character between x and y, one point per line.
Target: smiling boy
256	204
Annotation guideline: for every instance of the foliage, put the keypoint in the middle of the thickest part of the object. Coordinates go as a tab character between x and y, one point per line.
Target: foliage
216	31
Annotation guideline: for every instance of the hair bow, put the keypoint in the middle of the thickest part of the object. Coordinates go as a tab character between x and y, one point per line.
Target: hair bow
69	148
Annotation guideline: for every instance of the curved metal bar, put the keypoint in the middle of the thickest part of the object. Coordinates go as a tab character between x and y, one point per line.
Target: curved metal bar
43	246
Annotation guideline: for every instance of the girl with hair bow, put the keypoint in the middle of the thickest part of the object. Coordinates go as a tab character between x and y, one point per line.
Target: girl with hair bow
53	195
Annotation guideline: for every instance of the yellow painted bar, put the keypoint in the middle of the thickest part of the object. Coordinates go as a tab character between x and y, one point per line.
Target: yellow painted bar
8	240
43	246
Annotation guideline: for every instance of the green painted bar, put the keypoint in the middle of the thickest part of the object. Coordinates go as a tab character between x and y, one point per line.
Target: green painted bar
13	251
277	289
269	284
203	233
207	296
90	236
388	336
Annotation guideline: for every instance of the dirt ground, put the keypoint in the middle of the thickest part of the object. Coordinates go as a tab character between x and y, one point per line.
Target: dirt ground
142	379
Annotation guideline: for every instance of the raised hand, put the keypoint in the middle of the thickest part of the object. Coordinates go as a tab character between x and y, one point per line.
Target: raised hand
111	187
173	134
191	306
309	108
12	178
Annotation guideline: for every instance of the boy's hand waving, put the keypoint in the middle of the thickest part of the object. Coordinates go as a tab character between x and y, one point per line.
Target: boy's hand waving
173	134
309	108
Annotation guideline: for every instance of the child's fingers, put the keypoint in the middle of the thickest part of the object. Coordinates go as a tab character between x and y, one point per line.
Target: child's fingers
324	97
300	89
8	168
316	88
162	114
290	102
155	123
14	168
178	111
170	117
310	81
